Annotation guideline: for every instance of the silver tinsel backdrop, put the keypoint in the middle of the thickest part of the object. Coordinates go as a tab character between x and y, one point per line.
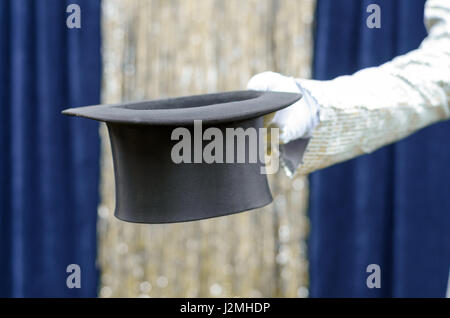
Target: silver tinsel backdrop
160	48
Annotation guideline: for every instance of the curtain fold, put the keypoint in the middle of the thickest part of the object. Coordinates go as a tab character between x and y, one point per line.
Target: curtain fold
392	207
49	164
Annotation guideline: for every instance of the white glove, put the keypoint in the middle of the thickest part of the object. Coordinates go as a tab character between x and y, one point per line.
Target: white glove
297	120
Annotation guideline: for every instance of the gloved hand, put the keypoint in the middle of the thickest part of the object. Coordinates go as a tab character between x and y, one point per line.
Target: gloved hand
297	120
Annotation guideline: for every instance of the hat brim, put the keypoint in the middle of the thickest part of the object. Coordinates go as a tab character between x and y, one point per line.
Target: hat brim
210	108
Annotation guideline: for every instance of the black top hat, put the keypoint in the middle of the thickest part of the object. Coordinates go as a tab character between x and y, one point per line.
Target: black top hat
152	187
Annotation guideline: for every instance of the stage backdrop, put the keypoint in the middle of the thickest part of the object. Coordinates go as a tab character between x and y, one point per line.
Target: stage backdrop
159	48
49	164
391	207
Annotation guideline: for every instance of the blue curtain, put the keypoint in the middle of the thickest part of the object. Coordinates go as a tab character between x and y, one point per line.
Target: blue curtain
49	164
392	207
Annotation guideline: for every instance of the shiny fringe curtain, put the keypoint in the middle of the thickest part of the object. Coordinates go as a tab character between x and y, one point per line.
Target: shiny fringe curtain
158	48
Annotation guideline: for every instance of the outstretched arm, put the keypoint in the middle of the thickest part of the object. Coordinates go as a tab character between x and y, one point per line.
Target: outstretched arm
373	107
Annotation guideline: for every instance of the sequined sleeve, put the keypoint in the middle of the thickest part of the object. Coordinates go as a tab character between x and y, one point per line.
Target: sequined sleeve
380	105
